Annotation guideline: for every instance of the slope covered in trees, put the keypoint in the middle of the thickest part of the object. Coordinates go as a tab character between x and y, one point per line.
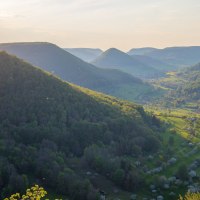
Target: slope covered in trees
49	129
190	88
183	87
70	68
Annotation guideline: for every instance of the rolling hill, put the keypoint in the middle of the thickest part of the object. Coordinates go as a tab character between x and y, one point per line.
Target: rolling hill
78	143
154	63
86	54
70	68
116	59
141	51
178	56
52	133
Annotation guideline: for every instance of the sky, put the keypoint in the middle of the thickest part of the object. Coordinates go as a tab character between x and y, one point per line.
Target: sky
123	24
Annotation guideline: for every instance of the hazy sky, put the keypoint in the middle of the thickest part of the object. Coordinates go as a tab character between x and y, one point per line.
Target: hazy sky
102	23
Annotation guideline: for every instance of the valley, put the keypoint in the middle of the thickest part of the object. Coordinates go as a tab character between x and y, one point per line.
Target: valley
107	145
174	169
99	100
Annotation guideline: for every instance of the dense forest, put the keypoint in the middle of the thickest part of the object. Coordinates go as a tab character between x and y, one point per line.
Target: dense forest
182	88
190	90
49	129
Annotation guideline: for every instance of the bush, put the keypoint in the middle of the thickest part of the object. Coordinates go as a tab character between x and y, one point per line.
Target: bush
34	193
190	196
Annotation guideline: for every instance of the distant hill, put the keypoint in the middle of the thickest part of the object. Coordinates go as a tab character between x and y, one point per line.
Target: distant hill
57	61
116	59
179	56
50	129
86	54
141	51
154	63
70	68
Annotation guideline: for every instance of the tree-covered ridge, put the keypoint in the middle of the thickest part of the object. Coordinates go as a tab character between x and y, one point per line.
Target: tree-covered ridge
182	88
190	90
70	68
46	123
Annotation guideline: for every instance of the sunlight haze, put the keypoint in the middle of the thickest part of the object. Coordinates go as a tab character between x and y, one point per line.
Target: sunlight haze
123	24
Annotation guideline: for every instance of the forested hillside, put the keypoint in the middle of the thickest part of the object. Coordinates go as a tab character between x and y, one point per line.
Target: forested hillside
49	129
70	68
183	87
190	90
